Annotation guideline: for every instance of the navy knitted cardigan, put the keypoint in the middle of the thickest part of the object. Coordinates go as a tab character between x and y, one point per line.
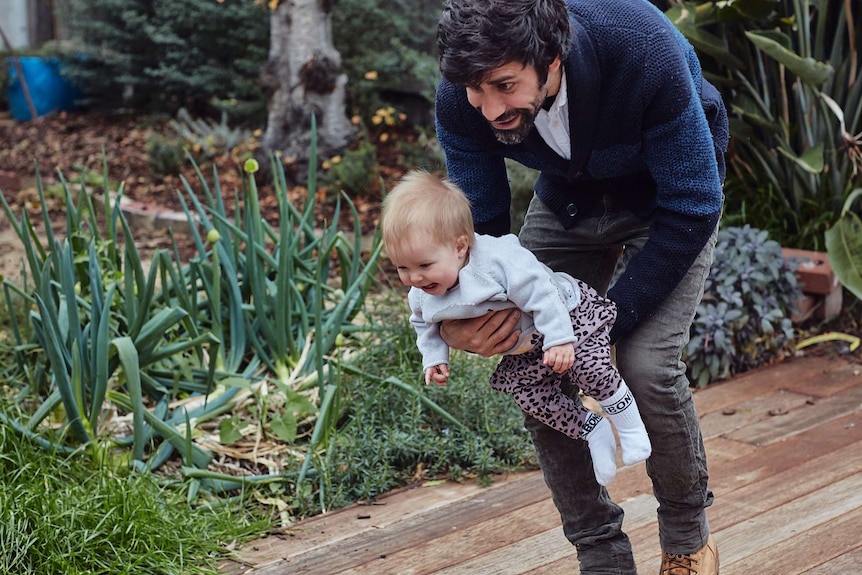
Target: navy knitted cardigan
645	128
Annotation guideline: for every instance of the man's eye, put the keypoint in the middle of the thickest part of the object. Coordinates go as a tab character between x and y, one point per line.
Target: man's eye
506	86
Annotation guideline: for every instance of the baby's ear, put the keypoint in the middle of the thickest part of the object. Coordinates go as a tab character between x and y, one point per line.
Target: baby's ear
462	245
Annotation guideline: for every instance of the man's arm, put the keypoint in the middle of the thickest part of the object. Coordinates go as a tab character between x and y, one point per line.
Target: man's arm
683	149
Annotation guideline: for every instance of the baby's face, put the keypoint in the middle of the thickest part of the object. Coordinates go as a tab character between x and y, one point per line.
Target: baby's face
430	266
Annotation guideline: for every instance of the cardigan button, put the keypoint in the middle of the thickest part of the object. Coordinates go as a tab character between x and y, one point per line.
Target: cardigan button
572	210
578	174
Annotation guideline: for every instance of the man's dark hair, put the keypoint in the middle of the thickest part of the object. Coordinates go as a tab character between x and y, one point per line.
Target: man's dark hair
474	37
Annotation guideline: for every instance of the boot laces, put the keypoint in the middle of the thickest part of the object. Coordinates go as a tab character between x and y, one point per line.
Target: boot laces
670	563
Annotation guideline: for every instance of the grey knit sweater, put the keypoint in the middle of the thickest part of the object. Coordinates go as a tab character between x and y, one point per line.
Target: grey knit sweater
645	128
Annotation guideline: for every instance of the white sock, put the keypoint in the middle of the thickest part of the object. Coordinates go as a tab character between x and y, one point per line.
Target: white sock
603	447
622	409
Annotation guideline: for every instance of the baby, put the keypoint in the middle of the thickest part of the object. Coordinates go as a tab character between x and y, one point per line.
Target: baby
455	273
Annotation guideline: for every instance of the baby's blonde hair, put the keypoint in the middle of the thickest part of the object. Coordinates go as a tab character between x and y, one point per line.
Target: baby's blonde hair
424	204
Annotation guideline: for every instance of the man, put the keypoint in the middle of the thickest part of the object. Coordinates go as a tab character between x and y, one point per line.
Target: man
606	99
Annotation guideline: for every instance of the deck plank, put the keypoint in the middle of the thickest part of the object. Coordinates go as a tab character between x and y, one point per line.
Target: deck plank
820	376
845	564
394	507
799	419
741	416
750	537
480	545
368	546
804	551
788	498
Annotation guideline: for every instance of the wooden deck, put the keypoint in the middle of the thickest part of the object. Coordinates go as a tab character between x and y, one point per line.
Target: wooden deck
785	457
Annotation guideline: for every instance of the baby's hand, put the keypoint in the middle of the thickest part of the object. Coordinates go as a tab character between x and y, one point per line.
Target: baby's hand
560	357
439	374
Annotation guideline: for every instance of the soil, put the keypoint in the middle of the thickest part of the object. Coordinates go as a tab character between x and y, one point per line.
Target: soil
77	145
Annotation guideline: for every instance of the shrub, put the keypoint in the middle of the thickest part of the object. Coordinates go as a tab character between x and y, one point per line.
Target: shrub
164	155
791	78
208	138
154	55
397	67
354	172
743	321
521	182
398	431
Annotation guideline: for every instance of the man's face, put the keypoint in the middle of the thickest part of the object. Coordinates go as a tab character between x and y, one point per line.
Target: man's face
509	98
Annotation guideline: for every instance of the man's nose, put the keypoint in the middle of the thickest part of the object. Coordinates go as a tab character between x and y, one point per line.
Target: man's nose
490	106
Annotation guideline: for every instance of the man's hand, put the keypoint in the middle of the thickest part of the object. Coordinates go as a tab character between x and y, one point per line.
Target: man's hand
438	374
487	335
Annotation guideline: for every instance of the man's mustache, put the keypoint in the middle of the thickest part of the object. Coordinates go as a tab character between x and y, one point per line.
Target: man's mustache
506	116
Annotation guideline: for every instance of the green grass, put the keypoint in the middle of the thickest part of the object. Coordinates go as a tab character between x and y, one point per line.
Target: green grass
65	515
390	437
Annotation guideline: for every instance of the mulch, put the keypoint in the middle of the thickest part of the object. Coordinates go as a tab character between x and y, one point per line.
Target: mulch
77	144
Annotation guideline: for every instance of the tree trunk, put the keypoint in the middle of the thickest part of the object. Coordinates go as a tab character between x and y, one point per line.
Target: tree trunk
303	77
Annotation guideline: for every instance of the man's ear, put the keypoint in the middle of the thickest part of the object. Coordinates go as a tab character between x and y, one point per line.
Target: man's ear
555	65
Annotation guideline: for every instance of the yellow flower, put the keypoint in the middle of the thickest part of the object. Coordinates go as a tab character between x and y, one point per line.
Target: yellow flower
336	159
251	166
372	75
376	120
384	137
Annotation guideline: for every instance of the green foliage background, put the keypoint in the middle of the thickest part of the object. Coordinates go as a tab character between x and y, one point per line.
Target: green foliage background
162	55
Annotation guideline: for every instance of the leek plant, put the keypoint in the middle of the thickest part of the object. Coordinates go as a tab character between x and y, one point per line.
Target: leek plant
286	293
256	316
96	330
284	283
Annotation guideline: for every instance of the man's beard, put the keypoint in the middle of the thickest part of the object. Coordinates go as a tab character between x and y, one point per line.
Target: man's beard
528	120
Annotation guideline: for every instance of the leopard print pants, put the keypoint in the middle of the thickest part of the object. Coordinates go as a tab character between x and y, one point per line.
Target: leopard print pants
536	388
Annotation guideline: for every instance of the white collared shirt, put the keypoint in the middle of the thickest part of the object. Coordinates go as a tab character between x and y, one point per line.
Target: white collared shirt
553	124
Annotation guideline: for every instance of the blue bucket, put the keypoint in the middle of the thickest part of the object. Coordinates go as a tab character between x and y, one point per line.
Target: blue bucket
49	91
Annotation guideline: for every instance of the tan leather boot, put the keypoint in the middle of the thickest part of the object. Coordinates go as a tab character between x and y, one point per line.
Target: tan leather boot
703	562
